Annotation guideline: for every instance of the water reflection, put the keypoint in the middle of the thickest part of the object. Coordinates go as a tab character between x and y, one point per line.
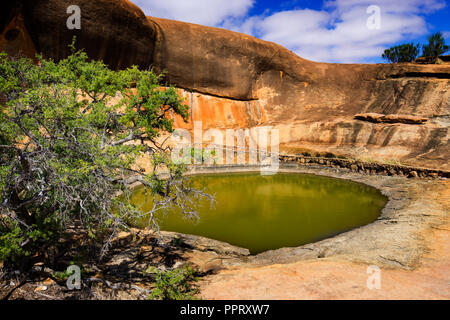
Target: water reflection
268	212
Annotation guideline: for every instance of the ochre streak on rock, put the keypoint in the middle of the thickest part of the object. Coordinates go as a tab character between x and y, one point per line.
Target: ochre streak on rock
219	113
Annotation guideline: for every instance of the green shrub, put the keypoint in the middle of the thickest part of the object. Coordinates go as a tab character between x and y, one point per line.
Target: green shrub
17	244
436	46
407	52
177	284
71	133
11	239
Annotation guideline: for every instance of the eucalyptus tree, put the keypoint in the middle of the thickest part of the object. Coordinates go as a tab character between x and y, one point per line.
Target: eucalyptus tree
71	135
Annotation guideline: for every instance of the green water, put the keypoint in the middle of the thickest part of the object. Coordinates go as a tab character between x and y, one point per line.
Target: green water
269	212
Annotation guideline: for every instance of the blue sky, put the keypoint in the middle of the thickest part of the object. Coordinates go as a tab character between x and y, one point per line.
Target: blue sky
326	31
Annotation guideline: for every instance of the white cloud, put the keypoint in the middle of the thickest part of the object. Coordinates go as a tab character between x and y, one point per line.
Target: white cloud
205	12
398	6
337	33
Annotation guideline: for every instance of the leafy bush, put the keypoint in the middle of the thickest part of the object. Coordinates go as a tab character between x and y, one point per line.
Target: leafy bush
177	284
403	53
71	133
11	239
15	241
408	52
436	46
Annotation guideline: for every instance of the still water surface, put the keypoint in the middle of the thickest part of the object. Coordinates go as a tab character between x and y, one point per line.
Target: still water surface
269	212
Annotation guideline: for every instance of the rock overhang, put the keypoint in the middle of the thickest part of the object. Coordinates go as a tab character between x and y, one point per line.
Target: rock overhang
313	104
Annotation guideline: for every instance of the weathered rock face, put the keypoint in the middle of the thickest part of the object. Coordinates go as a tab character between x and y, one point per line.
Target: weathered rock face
241	81
115	31
313	104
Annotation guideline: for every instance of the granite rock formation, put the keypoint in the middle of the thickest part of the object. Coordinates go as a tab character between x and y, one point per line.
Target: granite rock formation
234	80
116	32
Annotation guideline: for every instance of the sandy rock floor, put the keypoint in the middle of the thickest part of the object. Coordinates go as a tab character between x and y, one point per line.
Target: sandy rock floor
334	279
410	245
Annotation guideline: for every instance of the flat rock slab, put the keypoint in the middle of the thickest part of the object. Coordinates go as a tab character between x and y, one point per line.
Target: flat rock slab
409	243
390	118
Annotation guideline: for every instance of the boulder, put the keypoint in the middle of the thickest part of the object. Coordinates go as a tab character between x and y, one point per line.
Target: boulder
115	31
